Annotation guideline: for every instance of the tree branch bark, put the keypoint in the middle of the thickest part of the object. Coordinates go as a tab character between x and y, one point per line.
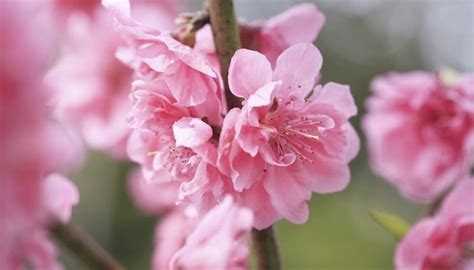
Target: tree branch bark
84	247
266	248
225	31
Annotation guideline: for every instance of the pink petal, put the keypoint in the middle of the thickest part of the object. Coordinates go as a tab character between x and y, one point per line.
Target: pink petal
248	136
197	187
298	67
248	71
170	235
59	195
152	197
325	176
191	132
138	144
460	200
245	169
188	86
158	58
339	96
413	248
302	23
120	8
225	141
258	199
204	40
288	195
268	154
218	241
189	56
352	142
263	96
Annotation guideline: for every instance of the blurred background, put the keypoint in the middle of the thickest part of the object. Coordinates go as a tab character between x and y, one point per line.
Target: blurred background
361	39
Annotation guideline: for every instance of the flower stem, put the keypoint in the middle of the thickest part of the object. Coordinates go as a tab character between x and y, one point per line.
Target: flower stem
266	248
435	205
84	247
225	31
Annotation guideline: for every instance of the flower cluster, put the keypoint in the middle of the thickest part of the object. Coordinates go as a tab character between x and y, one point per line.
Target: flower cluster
443	241
34	145
291	137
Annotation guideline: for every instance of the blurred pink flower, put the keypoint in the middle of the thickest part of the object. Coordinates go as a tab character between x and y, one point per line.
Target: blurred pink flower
33	145
290	138
152	197
170	235
420	131
445	241
91	86
300	24
59	195
155	12
219	240
66	8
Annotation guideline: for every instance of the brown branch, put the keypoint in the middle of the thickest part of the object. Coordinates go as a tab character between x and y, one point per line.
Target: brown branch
84	247
225	31
266	248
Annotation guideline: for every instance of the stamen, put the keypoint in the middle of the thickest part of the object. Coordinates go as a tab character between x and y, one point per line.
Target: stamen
306	135
293	134
152	153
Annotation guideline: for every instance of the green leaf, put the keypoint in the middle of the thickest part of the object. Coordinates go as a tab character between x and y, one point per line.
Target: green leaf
392	223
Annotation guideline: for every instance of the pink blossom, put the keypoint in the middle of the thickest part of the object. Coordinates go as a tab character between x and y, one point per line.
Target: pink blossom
172	143
153	54
300	24
420	131
65	8
59	195
33	145
219	240
170	235
152	197
162	15
283	145
445	241
91	86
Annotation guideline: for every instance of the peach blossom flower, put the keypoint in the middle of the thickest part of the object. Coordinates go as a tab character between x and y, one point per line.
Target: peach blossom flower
420	131
445	241
219	240
290	138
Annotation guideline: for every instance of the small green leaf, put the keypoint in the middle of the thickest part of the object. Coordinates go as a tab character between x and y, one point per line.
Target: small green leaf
449	77
392	223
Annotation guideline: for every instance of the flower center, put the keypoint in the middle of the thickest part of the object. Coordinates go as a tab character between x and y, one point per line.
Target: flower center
294	133
179	161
